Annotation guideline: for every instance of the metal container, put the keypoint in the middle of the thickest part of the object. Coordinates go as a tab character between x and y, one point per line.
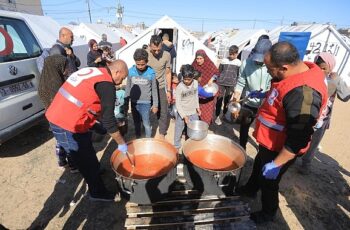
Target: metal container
212	88
154	170
197	130
172	110
212	164
233	107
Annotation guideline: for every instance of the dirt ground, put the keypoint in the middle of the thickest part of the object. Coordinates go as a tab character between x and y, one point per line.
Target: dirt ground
36	194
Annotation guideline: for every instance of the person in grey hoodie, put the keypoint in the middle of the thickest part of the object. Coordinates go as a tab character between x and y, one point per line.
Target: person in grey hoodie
141	90
187	102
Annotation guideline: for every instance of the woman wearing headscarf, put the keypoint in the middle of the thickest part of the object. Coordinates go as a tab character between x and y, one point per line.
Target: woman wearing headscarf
326	62
94	57
203	64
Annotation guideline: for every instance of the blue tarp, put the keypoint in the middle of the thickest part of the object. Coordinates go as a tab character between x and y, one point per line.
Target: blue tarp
298	39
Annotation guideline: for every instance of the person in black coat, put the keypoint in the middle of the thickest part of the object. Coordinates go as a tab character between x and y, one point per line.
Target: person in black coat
63	47
94	57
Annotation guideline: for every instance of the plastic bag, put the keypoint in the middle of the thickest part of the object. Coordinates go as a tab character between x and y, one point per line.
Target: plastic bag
343	88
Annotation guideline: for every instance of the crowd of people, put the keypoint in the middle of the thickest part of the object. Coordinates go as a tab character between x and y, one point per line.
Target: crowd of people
289	99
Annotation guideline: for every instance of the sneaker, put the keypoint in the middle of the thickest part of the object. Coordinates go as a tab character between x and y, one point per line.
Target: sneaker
63	164
64	167
261	217
107	197
74	170
218	121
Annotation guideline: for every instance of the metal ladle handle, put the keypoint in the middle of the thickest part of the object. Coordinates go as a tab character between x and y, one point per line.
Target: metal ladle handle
132	162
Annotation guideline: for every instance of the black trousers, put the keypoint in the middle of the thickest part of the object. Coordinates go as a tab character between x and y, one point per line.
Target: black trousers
163	117
245	125
225	93
269	188
79	147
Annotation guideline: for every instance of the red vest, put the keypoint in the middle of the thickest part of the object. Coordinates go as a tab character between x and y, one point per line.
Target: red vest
270	130
76	105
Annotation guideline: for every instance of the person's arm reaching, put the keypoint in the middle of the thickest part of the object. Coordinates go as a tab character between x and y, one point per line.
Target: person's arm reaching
106	93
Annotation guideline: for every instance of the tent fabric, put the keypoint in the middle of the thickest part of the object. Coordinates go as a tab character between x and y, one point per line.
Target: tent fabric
185	43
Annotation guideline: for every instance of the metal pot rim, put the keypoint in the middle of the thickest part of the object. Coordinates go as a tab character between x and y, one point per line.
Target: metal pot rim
224	138
117	152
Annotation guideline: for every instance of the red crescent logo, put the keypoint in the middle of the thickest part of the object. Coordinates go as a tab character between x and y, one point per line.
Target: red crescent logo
8	43
84	74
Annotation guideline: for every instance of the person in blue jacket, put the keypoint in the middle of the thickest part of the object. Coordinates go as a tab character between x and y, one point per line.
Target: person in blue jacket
141	90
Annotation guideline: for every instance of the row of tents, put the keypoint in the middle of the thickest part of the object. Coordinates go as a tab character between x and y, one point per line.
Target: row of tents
323	38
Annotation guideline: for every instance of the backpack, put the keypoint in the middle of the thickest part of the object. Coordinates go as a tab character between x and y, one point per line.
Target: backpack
40	60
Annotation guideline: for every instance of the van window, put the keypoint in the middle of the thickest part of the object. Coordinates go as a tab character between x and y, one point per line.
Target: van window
16	41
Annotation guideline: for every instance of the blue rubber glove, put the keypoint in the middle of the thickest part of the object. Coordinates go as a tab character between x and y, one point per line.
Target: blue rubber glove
123	148
271	170
257	94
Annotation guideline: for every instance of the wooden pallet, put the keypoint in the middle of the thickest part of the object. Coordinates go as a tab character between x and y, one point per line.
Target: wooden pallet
183	210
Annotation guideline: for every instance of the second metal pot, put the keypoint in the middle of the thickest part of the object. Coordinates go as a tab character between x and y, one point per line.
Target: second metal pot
197	130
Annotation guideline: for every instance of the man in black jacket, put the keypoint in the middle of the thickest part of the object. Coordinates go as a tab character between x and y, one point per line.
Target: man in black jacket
63	47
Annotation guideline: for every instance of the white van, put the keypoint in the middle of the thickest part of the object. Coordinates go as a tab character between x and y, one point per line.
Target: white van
20	106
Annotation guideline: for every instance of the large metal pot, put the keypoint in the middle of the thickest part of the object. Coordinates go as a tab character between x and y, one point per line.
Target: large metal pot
154	169
213	164
197	130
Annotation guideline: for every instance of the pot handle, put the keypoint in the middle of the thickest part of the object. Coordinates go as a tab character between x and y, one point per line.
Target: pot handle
219	180
123	186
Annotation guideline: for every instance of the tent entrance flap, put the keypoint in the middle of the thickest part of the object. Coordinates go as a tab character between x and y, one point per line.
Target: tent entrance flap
173	37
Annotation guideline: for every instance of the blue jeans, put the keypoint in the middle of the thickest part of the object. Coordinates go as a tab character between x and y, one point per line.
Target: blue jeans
179	127
79	147
141	112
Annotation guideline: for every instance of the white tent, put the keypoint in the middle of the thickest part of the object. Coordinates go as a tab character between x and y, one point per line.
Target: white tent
87	31
222	40
324	38
186	44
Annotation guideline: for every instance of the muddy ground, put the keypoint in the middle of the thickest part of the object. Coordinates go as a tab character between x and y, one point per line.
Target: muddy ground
36	194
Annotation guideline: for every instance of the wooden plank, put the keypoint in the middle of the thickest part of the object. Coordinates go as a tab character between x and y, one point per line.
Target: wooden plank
241	225
243	208
146	222
189	207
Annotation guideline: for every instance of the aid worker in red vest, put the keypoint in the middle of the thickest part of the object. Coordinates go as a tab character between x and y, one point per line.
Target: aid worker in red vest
87	94
284	123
